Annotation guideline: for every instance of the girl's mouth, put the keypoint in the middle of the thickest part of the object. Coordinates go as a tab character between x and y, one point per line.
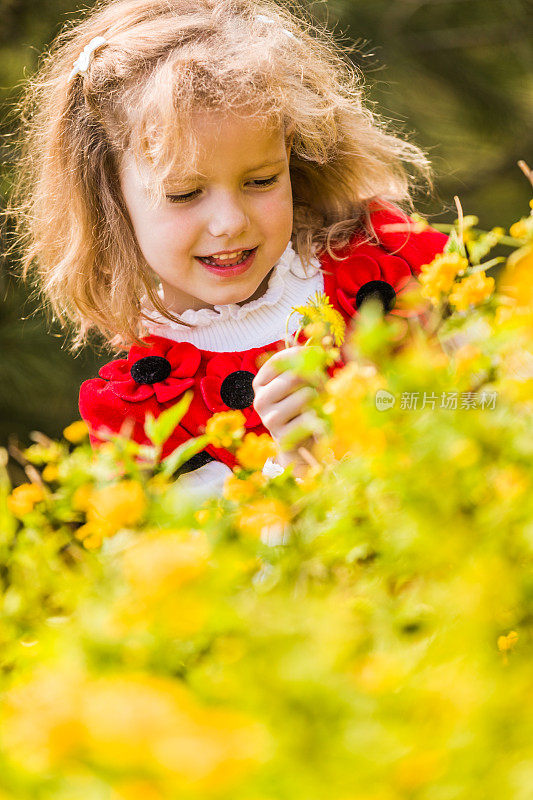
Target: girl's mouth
229	271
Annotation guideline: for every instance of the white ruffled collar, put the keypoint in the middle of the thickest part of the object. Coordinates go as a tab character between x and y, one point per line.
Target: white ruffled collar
289	263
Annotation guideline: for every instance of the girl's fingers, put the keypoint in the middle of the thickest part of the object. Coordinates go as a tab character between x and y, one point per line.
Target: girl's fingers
306	418
277	417
270	370
275	391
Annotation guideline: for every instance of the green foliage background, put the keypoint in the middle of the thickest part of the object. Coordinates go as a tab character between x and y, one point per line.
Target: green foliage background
454	75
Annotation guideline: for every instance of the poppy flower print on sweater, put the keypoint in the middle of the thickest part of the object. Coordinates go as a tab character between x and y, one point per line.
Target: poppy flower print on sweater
227	385
374	273
166	369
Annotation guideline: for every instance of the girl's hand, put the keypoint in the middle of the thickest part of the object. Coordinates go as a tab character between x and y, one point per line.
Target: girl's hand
281	400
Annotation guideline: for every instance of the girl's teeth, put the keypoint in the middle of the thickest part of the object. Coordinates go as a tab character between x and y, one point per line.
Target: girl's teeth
227	260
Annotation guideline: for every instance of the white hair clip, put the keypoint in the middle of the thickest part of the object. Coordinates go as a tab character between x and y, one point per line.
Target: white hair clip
270	21
84	59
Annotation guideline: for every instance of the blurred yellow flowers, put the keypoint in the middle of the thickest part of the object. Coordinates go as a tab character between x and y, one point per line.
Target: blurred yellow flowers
471	291
160	562
241	490
225	428
118	505
108	509
263	513
76	432
255	450
23	499
438	277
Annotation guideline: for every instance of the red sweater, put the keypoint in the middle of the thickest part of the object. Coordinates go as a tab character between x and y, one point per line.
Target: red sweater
150	380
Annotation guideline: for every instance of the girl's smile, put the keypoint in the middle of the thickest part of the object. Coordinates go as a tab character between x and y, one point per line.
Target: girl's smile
236	264
216	240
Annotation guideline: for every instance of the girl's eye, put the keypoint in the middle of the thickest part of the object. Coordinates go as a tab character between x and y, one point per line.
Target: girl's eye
183	198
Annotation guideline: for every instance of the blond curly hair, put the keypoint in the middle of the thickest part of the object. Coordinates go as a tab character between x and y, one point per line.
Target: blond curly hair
162	61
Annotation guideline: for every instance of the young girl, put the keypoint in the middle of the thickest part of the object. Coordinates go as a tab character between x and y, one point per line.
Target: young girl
194	169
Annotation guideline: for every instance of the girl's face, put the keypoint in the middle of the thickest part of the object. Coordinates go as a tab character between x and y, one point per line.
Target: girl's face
242	201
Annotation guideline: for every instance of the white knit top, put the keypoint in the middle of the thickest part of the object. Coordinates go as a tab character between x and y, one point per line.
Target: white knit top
234	328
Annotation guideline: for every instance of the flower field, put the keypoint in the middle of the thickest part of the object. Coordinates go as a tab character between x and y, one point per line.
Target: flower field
363	632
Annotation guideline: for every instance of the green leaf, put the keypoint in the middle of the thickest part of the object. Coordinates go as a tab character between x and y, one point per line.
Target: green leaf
308	362
454	244
181	454
160	429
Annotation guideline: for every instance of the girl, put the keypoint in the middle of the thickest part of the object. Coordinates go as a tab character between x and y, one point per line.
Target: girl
192	170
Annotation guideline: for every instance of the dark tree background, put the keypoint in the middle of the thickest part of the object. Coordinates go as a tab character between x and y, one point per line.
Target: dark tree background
454	75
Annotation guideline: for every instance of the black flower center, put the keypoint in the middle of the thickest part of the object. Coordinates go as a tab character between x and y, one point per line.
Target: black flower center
150	369
236	390
380	290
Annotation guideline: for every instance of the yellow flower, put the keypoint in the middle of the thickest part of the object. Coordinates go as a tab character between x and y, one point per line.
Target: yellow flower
471	290
519	230
438	276
255	450
265	512
319	310
161	561
225	428
40	719
516	282
240	491
76	432
506	643
144	724
81	497
92	534
50	473
121	504
23	499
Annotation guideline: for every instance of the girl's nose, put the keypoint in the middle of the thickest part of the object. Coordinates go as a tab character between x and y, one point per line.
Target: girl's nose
228	218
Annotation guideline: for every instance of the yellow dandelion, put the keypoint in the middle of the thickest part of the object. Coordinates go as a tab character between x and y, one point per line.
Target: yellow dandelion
119	505
319	310
255	450
471	291
225	428
76	432
23	498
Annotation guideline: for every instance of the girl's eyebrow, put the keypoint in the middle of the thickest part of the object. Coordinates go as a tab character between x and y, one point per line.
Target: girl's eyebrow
251	169
266	164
